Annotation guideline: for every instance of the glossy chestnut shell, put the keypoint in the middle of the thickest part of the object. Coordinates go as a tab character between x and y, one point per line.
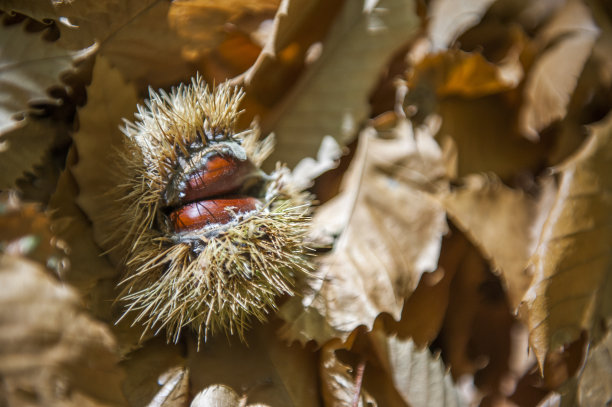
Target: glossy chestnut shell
211	194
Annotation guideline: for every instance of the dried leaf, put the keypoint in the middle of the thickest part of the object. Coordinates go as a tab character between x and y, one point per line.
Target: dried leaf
569	39
25	232
216	396
156	376
110	99
394	372
421	379
487	139
457	73
498	221
308	169
267	371
595	382
392	235
571	287
42	10
331	98
29	68
200	23
338	381
449	19
88	267
51	351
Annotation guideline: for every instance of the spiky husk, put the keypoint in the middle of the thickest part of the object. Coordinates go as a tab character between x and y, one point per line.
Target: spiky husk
215	279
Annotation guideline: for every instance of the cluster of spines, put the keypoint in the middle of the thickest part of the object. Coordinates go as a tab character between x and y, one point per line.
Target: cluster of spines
209	283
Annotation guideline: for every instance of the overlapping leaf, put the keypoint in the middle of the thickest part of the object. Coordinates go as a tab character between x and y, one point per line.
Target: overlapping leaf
51	351
331	98
391	235
29	68
572	287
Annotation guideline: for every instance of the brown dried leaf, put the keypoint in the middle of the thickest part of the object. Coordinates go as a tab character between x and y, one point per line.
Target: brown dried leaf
332	96
486	136
51	351
567	42
498	220
395	373
29	68
595	382
134	36
267	371
458	73
571	288
421	379
42	10
25	231
338	380
448	19
88	267
202	23
392	235
110	99
156	376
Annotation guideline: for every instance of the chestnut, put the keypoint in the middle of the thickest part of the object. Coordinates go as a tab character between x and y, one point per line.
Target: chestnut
199	214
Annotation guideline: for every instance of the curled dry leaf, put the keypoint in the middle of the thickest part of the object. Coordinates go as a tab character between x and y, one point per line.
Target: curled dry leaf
267	371
332	96
392	235
29	68
156	376
567	42
449	19
461	86
339	384
571	289
200	23
498	221
395	373
25	231
51	351
216	395
595	382
110	98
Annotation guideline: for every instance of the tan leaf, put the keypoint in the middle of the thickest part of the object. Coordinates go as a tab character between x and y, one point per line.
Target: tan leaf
156	376
42	10
298	25
266	371
392	235
571	288
458	73
134	36
88	267
421	379
201	22
332	96
498	221
449	19
29	68
595	382
216	395
567	42
110	99
486	136
51	351
25	231
338	380
394	373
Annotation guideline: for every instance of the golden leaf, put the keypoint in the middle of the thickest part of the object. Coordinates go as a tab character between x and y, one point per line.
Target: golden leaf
572	288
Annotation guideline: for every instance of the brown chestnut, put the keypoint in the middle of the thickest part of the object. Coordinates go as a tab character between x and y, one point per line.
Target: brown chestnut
197	215
221	174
